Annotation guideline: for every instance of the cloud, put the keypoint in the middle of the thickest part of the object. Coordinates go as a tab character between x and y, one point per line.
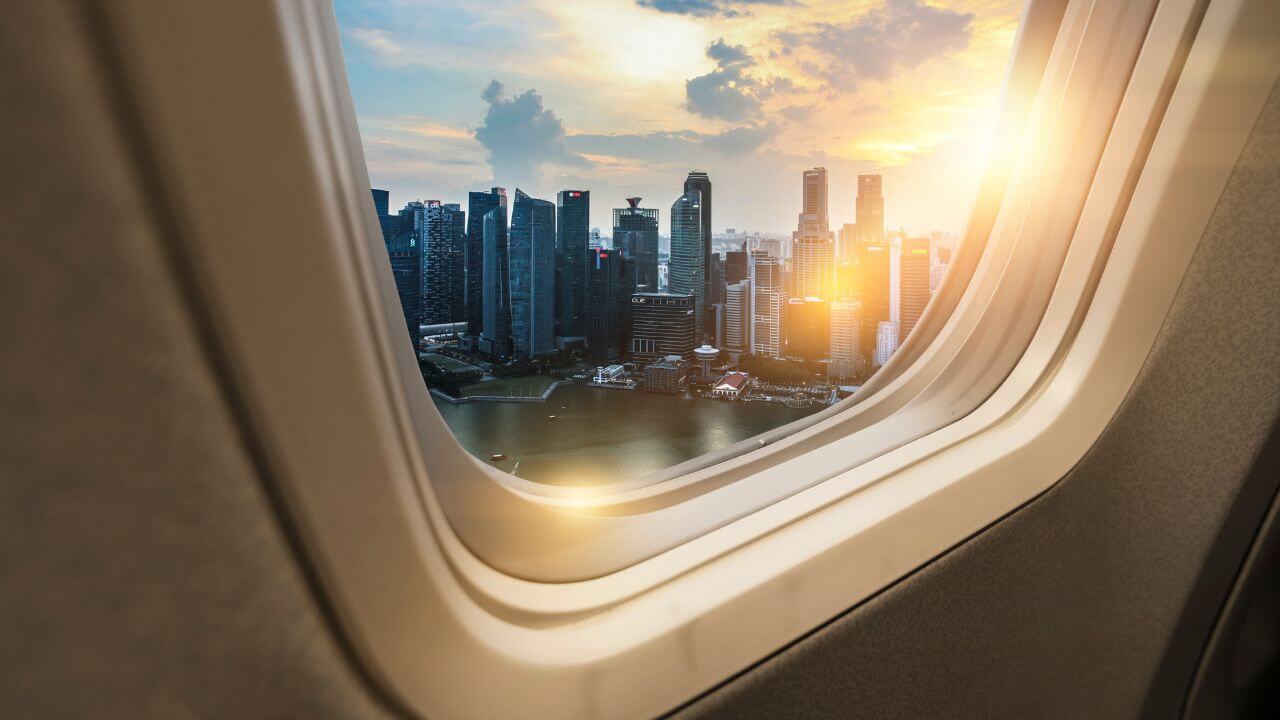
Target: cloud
677	148
741	140
901	34
728	92
520	136
706	8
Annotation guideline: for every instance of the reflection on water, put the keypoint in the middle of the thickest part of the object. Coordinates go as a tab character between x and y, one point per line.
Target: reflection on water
601	436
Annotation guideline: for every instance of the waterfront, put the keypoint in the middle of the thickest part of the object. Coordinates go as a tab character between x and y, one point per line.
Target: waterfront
603	435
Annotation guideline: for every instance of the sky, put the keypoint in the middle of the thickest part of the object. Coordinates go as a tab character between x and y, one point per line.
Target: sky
625	97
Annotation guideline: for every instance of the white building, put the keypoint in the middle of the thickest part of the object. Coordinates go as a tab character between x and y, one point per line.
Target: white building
845	355
886	341
769	297
738	306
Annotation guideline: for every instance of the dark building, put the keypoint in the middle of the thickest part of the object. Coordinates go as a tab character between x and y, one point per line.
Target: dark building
532	275
478	205
406	266
440	231
607	292
573	216
873	277
736	267
495	331
635	233
687	268
913	284
807	327
701	182
667	375
662	324
381	202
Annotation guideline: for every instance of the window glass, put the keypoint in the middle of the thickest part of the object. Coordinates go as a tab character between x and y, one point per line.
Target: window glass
625	233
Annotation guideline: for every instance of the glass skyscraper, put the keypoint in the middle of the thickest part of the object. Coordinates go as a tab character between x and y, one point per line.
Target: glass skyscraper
687	268
495	331
532	271
441	235
701	182
573	217
607	293
635	233
478	205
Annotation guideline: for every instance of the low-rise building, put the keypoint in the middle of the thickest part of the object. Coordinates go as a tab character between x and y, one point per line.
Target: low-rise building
731	385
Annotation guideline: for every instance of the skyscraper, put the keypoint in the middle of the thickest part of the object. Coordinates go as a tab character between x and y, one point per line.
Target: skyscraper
767	301
495	331
870	209
635	233
807	327
440	231
532	252
406	266
737	318
845	355
813	243
607	294
687	269
701	182
735	266
573	215
478	206
381	202
914	283
661	324
873	276
886	342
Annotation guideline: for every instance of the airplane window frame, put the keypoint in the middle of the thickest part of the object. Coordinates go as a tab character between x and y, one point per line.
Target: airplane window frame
434	622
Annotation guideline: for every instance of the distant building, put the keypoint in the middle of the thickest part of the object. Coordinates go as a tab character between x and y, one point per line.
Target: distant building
406	266
700	182
573	213
886	342
495	330
813	243
667	375
873	278
847	243
662	324
478	206
870	209
913	283
807	326
737	319
731	385
532	273
687	269
767	301
635	233
441	233
845	359
607	292
736	266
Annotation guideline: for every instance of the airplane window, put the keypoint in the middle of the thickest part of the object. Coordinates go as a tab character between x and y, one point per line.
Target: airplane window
626	233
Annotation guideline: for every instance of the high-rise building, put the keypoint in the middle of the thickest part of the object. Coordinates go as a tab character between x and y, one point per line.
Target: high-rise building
914	283
813	243
736	268
870	209
662	324
767	301
405	255
687	269
845	358
532	253
701	182
737	318
807	327
478	206
635	233
573	216
495	330
607	292
894	239
847	243
440	230
381	202
873	277
886	342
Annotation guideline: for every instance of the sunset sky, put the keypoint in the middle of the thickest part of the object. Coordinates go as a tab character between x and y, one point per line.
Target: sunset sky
624	97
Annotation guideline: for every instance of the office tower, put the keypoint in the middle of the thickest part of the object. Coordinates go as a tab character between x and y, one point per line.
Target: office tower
478	206
894	241
736	268
873	272
573	214
845	358
635	233
456	221
661	324
814	196
594	242
381	202
607	293
532	253
737	318
886	342
914	283
870	209
847	243
406	266
701	182
807	327
767	301
848	279
813	243
687	270
715	299
439	230
495	330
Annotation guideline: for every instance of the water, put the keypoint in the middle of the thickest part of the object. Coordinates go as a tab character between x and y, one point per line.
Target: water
602	435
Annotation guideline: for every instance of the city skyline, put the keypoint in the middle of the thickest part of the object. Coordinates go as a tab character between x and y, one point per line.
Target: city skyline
618	96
